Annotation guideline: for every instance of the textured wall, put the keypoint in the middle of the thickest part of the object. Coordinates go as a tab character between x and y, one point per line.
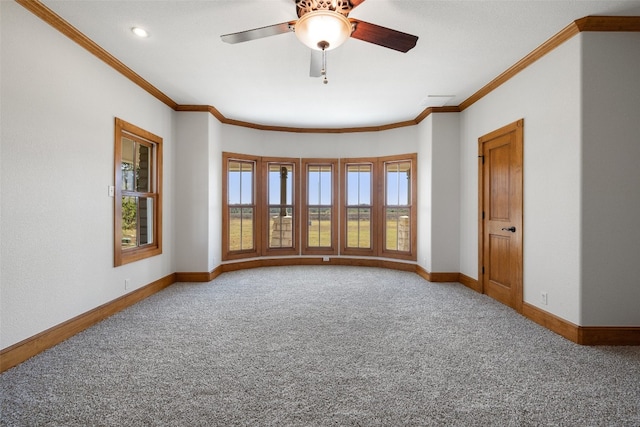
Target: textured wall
547	95
58	105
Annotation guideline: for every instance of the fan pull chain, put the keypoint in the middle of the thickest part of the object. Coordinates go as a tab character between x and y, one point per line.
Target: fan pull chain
324	45
324	67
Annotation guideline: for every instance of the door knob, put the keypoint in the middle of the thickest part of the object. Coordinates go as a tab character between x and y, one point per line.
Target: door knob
511	229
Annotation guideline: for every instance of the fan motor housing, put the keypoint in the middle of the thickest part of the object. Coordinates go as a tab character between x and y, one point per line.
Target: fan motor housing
341	6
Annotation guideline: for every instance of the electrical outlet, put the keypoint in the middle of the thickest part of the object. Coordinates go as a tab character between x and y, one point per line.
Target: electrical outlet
127	284
543	298
325	258
112	191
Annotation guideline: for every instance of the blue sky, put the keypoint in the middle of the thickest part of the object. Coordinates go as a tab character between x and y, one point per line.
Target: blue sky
319	188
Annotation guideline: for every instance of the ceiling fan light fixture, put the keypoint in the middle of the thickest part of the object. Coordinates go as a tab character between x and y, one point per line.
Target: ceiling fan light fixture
323	29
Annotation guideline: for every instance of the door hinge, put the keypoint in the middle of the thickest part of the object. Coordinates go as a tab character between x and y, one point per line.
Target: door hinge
482	214
483	269
481	157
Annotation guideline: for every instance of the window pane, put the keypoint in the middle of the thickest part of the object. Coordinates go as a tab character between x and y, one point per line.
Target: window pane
280	195
398	183
398	229
319	185
359	228
359	184
240	229
129	222
280	184
246	183
128	147
145	220
240	183
281	228
319	234
233	183
143	169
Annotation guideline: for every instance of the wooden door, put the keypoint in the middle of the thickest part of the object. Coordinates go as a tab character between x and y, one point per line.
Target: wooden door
500	214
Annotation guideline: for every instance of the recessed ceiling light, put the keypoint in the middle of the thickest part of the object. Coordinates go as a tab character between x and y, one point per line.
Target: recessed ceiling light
140	32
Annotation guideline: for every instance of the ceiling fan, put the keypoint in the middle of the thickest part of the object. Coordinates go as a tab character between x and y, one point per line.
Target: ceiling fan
324	25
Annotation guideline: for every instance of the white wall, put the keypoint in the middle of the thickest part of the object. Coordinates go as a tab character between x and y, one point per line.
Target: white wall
611	179
192	199
439	193
547	95
57	105
425	182
333	145
215	193
445	193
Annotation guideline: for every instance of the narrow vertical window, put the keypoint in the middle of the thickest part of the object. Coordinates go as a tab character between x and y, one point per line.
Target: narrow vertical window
359	206
319	187
241	205
319	206
281	206
397	209
138	179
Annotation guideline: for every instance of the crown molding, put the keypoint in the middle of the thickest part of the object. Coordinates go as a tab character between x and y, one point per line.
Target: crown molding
588	23
53	19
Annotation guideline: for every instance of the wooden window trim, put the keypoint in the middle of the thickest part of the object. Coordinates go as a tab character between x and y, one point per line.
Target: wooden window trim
264	207
126	256
339	208
257	200
412	254
375	194
335	220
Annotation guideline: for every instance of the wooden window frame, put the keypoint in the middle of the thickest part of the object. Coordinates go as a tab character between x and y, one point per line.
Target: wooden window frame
335	220
124	256
373	250
339	208
228	255
378	206
267	250
384	252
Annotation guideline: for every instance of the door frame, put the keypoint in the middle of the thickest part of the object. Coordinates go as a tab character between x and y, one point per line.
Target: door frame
518	128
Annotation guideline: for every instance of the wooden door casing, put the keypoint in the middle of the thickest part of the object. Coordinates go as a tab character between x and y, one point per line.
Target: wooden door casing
500	214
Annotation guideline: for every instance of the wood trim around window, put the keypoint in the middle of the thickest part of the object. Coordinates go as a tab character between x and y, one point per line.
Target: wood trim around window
257	200
125	256
375	193
378	204
412	254
264	207
333	249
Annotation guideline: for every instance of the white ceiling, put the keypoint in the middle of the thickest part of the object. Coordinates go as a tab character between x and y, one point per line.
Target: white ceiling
462	46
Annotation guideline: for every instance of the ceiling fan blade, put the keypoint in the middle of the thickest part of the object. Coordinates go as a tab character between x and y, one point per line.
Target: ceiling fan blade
316	63
258	33
383	36
356	3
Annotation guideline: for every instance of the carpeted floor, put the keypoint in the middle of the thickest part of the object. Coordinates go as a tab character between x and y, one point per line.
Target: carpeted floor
322	346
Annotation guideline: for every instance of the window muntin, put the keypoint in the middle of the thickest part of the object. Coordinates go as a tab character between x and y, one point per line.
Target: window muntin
138	179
